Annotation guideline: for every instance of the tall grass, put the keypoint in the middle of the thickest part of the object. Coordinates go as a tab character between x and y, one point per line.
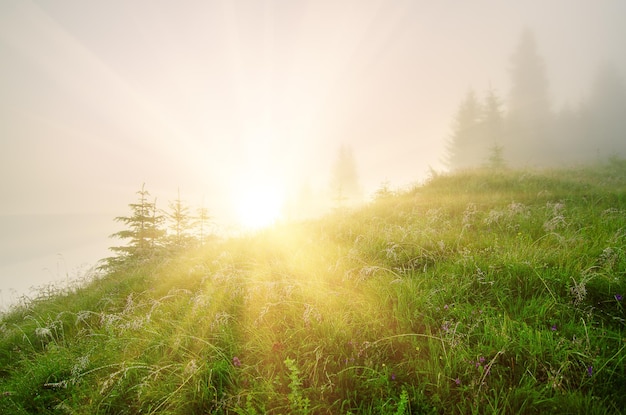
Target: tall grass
478	292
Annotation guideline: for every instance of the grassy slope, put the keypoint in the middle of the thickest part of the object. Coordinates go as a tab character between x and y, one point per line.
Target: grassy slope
480	292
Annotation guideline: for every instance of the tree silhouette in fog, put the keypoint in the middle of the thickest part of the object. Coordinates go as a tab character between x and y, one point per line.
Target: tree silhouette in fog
202	224
605	112
148	239
180	224
528	98
477	131
529	113
464	149
492	129
344	183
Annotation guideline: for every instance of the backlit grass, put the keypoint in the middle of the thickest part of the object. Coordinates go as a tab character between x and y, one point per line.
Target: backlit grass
480	292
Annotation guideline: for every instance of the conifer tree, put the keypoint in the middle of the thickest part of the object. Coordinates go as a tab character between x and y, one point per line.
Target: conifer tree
528	98
492	118
179	221
496	158
605	112
202	223
477	133
529	117
492	130
344	184
143	231
463	148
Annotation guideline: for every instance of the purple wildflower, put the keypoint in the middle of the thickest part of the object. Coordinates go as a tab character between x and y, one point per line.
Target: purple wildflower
553	328
393	376
590	370
236	361
619	297
457	381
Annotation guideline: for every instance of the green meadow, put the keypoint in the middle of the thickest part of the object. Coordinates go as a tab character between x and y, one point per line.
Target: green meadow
479	292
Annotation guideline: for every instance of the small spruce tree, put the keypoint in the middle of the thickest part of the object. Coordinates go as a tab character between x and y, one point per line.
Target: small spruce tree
179	220
143	232
344	184
202	224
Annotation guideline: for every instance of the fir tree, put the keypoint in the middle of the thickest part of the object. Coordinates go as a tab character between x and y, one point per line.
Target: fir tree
202	223
179	221
344	184
477	131
496	158
143	231
529	116
528	98
463	148
492	130
605	113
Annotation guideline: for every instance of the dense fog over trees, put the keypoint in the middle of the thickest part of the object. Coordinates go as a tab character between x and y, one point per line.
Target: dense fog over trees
527	131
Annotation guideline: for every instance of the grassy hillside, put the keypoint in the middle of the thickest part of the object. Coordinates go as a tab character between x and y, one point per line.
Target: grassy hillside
480	292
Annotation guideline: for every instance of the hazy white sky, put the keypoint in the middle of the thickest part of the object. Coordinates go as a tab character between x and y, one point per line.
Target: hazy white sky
97	97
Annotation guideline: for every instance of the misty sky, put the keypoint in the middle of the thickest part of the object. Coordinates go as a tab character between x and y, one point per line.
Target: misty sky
97	97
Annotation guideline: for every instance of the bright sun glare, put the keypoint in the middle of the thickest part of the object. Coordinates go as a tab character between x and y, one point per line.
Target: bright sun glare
258	206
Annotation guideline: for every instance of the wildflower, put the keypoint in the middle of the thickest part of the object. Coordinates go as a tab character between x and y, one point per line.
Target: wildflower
619	297
236	361
590	370
393	376
457	381
553	328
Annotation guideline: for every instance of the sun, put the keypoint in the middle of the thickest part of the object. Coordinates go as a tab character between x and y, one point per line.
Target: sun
258	205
